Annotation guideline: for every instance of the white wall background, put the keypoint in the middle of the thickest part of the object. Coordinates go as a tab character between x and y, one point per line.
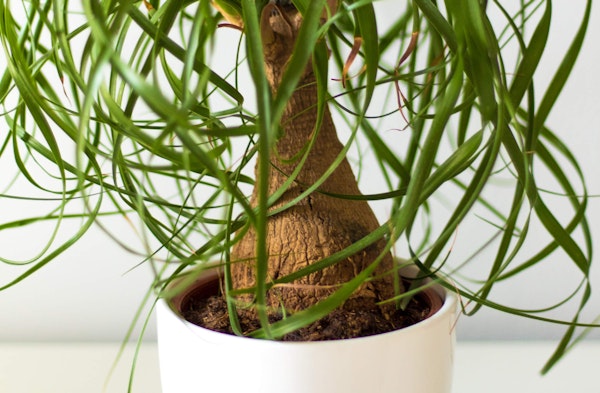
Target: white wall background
90	294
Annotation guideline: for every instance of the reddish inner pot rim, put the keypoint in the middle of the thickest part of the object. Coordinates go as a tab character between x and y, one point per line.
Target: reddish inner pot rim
208	285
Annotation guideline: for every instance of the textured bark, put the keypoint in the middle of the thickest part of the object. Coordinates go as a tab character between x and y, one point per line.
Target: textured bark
319	225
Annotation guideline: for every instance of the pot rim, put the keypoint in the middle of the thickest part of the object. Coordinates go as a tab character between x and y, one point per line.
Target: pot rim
449	305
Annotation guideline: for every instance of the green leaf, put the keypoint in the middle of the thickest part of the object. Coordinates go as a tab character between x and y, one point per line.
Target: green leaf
531	58
565	69
366	24
438	22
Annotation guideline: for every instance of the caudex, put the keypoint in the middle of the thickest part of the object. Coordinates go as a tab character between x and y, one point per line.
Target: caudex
321	223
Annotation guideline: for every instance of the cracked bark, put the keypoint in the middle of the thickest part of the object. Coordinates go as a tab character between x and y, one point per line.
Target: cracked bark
318	225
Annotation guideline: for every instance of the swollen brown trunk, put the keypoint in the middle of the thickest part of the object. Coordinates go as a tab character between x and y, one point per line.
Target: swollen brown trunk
318	225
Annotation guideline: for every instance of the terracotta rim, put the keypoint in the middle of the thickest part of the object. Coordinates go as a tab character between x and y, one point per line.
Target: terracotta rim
207	284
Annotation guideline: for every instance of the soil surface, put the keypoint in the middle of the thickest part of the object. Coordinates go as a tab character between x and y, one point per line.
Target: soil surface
352	320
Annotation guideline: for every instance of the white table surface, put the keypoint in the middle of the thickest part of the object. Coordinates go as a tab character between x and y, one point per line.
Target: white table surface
481	367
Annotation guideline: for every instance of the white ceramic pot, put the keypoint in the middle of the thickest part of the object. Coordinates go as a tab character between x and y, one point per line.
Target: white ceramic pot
417	359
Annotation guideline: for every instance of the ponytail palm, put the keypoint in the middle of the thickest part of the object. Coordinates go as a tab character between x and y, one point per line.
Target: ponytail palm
127	107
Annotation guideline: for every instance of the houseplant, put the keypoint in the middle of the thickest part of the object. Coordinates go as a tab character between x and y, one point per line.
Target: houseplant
159	132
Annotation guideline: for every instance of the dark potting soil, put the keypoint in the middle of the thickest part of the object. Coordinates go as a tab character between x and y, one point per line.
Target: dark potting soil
351	321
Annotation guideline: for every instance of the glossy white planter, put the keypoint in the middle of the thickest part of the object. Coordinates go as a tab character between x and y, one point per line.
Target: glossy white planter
417	359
